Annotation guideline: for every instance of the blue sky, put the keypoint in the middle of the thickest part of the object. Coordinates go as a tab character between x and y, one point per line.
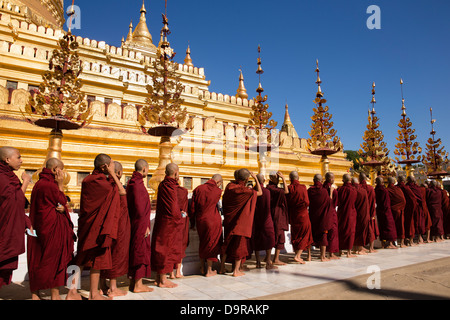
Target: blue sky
413	44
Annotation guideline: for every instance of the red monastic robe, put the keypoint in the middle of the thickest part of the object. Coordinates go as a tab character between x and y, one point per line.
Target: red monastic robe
446	211
428	221
320	213
183	232
384	214
207	219
374	232
239	204
165	244
346	216
120	251
362	216
279	212
421	215
333	233
51	252
434	203
298	202
263	236
98	221
13	223
410	210
398	204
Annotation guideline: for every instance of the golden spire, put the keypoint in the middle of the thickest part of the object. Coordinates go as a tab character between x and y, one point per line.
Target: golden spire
288	126
188	60
403	100
141	35
373	97
259	72
241	91
319	93
130	33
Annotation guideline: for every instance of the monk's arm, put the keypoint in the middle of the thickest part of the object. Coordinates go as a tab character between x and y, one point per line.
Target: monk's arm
285	185
26	178
112	174
258	186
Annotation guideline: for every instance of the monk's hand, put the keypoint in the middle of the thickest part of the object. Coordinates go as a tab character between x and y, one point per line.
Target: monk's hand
59	176
147	233
253	175
26	178
60	208
110	168
280	175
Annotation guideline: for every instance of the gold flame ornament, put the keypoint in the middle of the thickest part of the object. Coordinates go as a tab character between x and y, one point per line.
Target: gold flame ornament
323	138
59	103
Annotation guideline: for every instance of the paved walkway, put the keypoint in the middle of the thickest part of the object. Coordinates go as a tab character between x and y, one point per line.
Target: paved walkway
258	283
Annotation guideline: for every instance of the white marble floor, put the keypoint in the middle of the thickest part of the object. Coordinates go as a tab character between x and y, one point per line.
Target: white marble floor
260	282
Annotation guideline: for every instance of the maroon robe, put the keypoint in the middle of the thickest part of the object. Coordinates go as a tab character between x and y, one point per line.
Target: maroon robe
434	203
398	203
279	212
428	221
263	235
50	253
207	219
362	216
120	251
384	214
421	215
98	221
410	210
298	202
320	213
165	244
446	211
333	233
239	204
374	232
346	216
13	223
183	232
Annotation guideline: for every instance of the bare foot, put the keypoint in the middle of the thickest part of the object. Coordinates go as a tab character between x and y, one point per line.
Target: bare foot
391	246
238	273
334	257
116	292
324	259
270	266
167	284
211	273
299	260
142	288
73	295
98	296
278	263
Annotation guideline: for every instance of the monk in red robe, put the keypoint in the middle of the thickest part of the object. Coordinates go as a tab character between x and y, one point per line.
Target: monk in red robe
410	210
320	214
51	252
398	204
446	212
165	244
13	221
373	225
362	217
263	236
347	215
121	246
428	222
421	214
434	203
333	233
238	205
388	233
204	207
301	232
279	212
183	233
98	221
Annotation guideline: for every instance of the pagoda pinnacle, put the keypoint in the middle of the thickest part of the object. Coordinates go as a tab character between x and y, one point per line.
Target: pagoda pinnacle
188	59
288	126
130	33
141	34
241	91
319	93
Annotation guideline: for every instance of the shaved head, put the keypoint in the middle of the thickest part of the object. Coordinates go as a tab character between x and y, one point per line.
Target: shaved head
53	163
411	179
346	178
140	165
401	179
293	175
391	180
260	178
362	177
355	180
242	174
318	177
11	157
329	177
379	180
117	166
101	160
172	170
217	177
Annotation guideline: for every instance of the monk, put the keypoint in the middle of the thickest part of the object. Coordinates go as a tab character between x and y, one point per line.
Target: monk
398	203
238	203
347	215
13	221
320	214
362	217
428	222
410	210
279	212
373	225
301	233
208	222
434	203
183	232
121	246
446	212
333	233
263	236
421	212
51	252
388	233
98	221
165	244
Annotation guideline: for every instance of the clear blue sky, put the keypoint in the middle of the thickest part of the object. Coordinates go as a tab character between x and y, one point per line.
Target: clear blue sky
413	43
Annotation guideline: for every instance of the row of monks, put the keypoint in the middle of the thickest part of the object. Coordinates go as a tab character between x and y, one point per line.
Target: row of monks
114	236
